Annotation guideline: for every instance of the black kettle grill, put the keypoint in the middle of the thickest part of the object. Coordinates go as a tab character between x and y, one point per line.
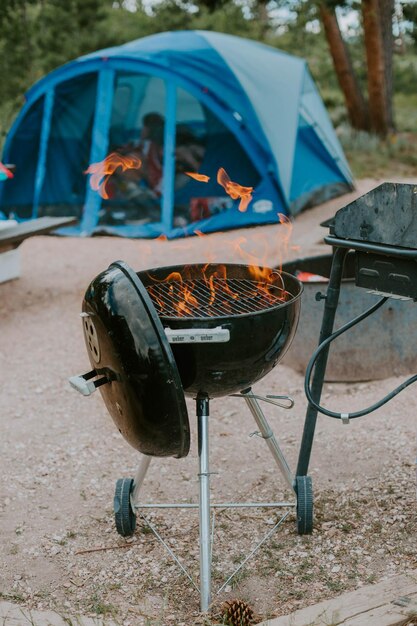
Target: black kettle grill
201	330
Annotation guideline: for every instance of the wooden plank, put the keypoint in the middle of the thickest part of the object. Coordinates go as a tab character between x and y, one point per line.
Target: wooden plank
385	615
387	603
13	236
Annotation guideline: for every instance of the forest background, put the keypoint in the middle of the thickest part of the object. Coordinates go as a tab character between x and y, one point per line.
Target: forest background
362	54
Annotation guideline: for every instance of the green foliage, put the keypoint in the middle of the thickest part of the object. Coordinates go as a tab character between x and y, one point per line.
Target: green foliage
37	36
406	112
405	74
16	48
229	19
119	26
372	157
409	10
66	29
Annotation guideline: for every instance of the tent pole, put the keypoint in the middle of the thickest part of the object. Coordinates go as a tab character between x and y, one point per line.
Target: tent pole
99	145
169	158
43	147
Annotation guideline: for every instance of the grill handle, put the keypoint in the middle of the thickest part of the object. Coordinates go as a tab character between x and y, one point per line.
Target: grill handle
198	335
84	383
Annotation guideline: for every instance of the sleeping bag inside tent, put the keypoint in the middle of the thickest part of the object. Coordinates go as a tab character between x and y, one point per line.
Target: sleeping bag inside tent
113	137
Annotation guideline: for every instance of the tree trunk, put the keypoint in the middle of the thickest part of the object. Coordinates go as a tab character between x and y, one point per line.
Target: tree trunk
375	57
387	13
262	17
355	102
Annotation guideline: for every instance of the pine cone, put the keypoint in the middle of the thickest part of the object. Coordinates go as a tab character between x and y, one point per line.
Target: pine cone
237	613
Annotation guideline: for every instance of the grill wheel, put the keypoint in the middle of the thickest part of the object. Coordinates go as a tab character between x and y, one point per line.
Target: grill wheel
124	515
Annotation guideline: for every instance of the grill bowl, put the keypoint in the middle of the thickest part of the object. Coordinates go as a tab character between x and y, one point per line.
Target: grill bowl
258	339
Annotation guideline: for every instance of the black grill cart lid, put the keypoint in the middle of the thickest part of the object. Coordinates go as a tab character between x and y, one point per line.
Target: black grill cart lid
127	346
385	215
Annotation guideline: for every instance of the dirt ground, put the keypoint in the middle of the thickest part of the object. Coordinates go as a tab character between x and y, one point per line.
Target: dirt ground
61	455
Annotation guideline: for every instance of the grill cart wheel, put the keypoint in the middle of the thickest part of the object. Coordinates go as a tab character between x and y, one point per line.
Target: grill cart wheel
123	513
304	488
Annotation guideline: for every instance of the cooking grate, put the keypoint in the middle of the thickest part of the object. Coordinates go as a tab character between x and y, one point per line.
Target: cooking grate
216	297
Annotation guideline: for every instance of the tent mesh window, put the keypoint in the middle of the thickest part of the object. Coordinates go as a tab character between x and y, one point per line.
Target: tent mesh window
69	146
136	129
204	144
17	195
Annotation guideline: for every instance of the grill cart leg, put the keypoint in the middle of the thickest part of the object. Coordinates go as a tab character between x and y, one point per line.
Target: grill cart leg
204	501
331	300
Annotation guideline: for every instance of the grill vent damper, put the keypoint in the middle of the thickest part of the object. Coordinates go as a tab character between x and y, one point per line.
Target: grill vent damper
201	330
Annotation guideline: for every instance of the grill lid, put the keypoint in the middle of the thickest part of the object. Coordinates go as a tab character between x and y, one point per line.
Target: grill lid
126	341
385	215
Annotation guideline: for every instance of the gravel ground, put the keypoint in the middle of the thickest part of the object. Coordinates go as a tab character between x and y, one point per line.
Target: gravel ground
61	455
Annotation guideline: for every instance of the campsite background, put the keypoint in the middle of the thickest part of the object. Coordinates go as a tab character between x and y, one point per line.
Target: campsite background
37	36
61	453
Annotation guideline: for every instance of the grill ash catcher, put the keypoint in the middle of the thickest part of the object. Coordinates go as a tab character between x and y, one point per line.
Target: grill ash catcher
155	336
380	230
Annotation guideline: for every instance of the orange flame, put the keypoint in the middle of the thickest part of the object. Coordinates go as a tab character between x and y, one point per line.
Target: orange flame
219	275
284	235
235	190
264	286
101	171
266	279
181	293
202	178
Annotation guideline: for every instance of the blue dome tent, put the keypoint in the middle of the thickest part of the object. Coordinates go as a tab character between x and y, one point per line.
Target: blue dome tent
232	102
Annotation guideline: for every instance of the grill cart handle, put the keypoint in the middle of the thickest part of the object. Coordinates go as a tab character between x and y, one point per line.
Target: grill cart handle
84	383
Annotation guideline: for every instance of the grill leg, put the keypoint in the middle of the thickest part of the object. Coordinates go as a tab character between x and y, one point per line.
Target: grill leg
204	501
139	478
332	299
267	434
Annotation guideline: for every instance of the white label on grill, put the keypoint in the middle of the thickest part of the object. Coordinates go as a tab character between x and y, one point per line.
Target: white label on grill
198	335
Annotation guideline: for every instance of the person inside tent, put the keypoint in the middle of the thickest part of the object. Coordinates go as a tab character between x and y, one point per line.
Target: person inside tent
151	150
142	188
189	154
